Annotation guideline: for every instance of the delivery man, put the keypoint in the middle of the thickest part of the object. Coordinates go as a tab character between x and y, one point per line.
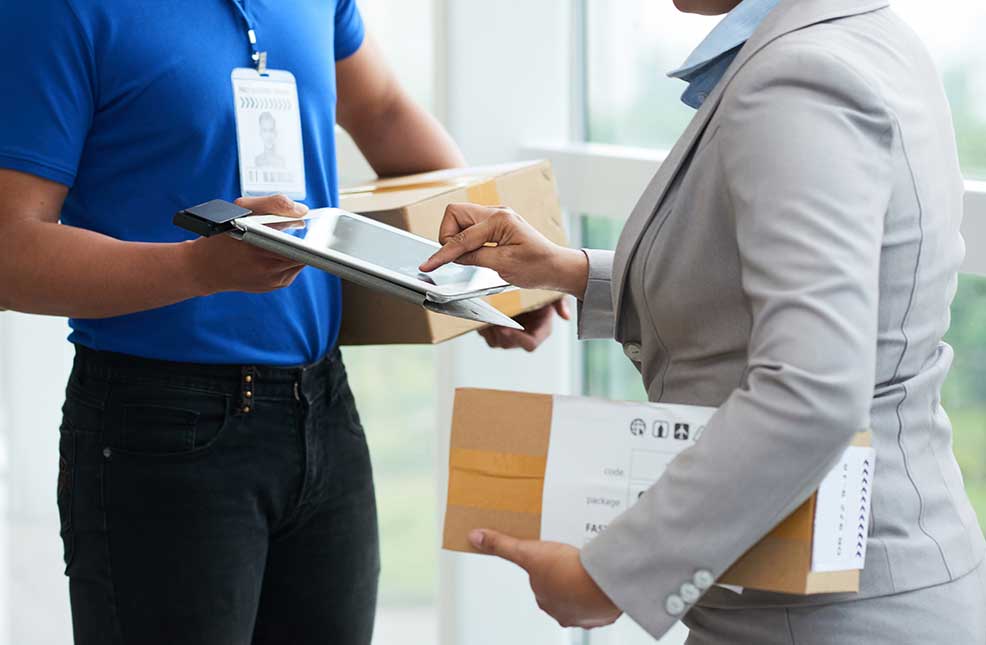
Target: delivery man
214	484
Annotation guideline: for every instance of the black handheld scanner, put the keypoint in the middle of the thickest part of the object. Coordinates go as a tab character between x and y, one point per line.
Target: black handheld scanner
211	218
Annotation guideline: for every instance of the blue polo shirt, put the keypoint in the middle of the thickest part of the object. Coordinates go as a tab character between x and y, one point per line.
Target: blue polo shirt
130	105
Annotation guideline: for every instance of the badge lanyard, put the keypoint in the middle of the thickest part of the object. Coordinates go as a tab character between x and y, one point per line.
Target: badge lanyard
259	57
268	124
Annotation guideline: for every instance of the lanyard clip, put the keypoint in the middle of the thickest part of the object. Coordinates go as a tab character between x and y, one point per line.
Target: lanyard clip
261	59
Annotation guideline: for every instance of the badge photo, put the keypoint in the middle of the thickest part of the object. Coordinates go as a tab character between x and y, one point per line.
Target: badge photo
268	133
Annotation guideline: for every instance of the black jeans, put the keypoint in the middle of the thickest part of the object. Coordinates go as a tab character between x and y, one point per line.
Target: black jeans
215	505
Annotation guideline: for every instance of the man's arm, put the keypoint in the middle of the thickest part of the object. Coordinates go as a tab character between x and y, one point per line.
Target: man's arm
395	135
51	268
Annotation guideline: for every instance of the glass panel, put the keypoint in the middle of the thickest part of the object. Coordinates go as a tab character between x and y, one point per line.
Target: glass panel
400	429
400	421
631	45
964	394
405	31
606	371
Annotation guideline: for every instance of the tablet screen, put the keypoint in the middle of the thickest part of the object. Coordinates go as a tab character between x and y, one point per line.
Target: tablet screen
386	247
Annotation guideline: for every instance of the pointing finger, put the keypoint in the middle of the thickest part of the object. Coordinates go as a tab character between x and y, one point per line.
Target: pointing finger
466	240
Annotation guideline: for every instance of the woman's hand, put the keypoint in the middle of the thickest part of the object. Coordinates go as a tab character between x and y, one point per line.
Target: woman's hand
560	584
221	263
498	238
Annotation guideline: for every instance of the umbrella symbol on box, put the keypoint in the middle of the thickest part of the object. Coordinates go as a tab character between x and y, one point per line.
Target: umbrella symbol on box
638	427
660	429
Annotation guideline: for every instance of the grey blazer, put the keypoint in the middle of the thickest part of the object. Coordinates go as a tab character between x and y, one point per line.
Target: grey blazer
793	262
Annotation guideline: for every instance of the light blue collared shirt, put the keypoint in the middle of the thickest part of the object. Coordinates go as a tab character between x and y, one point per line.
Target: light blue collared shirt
706	65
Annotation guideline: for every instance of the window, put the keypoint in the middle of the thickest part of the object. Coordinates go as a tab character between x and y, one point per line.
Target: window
400	420
964	394
606	372
629	101
637	105
400	429
632	45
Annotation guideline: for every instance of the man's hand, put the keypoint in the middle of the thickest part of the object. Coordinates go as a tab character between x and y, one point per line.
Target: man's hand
221	263
537	328
560	583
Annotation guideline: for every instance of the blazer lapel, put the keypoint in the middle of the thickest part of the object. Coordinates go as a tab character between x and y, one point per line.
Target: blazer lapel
789	16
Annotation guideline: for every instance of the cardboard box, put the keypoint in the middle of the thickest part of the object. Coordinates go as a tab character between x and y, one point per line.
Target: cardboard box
417	204
500	459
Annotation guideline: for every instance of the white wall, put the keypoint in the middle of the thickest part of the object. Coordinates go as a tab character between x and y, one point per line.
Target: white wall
508	82
34	365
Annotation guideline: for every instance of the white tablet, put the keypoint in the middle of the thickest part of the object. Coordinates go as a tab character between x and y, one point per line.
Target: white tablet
380	250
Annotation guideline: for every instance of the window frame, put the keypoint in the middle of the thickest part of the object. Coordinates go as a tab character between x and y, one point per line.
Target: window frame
607	180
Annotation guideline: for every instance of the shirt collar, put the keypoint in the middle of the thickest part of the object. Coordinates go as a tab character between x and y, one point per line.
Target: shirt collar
706	66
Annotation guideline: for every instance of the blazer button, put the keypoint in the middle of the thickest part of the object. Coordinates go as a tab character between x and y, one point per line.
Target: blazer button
674	604
703	579
632	351
689	593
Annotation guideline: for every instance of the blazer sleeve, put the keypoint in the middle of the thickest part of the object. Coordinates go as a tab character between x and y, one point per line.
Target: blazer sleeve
596	317
805	153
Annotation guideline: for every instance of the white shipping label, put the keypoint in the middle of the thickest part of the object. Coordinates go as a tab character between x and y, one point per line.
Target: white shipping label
603	455
842	512
268	133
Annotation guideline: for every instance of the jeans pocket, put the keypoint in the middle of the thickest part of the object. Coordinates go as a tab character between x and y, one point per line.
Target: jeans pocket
66	491
344	403
341	398
166	421
157	429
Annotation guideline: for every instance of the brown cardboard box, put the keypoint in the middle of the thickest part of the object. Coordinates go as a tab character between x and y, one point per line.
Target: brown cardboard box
417	204
498	455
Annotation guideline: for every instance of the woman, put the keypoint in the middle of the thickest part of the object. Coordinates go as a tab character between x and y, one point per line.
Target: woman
793	263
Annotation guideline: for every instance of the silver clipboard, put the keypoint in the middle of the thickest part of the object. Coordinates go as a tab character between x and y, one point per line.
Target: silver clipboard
474	309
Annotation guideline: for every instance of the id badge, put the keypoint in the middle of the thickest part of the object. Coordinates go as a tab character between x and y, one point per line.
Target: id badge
268	133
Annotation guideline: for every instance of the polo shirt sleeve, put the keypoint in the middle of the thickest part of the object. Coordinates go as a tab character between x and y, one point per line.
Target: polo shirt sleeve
349	29
47	89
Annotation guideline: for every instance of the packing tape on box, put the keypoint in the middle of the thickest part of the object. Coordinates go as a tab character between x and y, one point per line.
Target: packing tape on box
484	193
478	189
496	480
509	302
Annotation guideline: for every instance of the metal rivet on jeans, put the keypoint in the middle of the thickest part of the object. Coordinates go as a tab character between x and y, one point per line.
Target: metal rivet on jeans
107	452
